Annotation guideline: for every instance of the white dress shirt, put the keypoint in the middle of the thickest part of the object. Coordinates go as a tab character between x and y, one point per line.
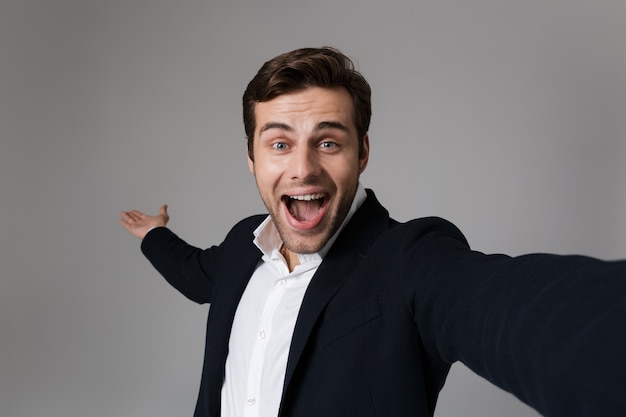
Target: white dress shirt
264	322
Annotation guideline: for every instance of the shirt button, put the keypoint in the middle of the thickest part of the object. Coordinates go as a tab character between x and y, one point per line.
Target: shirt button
262	334
251	400
282	283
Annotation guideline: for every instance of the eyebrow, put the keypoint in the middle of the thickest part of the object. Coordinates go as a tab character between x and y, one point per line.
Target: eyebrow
320	126
333	125
275	125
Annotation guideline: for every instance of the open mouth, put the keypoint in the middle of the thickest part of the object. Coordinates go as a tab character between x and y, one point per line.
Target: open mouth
306	208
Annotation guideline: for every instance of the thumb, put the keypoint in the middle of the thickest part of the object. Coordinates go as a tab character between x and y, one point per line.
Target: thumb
164	215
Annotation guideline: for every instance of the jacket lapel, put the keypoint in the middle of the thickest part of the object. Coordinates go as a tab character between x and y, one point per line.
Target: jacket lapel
351	246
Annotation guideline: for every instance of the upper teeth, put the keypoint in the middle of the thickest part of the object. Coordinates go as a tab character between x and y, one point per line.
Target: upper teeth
307	197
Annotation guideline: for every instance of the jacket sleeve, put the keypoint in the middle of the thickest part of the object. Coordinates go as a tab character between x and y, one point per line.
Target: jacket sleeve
550	329
188	269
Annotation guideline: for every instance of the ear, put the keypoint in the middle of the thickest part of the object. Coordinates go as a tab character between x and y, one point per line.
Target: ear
250	162
364	157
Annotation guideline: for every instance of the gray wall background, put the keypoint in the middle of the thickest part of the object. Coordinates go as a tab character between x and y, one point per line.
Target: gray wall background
506	117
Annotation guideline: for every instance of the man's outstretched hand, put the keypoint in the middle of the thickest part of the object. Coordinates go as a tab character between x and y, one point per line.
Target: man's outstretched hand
138	224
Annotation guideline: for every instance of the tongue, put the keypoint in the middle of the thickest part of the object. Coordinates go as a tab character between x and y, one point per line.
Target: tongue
304	211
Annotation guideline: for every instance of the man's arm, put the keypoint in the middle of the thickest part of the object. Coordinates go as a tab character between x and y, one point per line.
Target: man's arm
139	224
549	329
182	265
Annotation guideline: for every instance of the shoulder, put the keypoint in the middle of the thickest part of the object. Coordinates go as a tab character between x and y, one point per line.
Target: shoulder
249	223
426	234
426	228
394	234
244	229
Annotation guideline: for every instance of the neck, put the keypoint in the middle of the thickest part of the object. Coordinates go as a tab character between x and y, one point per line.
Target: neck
290	257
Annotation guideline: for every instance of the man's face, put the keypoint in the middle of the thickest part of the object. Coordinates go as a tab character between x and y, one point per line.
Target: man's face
306	163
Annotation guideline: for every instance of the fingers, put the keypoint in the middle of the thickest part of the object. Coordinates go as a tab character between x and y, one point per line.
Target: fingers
124	216
136	217
130	218
125	224
126	219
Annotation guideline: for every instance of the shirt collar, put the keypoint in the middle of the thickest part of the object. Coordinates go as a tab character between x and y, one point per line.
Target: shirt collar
267	239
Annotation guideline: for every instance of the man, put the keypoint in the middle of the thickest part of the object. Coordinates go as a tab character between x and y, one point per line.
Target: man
328	307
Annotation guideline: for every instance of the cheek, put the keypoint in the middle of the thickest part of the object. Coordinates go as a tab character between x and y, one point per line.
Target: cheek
346	174
266	175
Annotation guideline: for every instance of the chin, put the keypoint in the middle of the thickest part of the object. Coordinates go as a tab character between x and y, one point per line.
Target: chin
304	248
305	245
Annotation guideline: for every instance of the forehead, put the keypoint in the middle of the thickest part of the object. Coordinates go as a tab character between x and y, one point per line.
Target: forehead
311	105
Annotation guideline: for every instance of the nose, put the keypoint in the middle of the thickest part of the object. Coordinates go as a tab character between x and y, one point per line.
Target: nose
305	164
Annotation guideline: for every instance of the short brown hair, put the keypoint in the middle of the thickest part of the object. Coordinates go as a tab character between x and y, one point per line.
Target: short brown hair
303	68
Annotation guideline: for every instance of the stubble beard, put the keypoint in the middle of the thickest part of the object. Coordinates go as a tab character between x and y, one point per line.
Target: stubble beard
307	243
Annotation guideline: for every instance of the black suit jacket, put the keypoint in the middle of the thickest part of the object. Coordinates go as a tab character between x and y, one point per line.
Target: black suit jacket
393	305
